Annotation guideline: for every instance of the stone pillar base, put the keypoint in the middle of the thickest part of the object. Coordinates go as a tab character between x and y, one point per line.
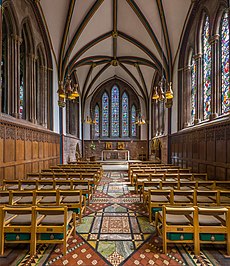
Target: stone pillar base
196	121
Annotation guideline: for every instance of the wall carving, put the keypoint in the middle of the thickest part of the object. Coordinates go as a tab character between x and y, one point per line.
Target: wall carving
25	148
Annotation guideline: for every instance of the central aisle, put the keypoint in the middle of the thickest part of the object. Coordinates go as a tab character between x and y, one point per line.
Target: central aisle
113	227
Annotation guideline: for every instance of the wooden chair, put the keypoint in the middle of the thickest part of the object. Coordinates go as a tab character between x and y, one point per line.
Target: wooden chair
85	187
214	226
4	197
11	185
55	227
146	186
28	184
183	197
158	198
46	184
205	197
35	176
22	197
47	198
74	200
177	225
20	228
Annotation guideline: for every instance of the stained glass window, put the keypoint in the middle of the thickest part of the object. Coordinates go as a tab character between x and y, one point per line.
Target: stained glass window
193	90
133	119
115	111
97	120
4	67
22	74
125	115
206	70
105	115
224	39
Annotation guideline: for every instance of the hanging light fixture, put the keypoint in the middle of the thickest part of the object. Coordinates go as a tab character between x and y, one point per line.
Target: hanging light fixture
159	93
140	120
66	91
90	121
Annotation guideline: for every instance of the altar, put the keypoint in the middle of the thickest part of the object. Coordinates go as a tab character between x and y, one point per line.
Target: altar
115	155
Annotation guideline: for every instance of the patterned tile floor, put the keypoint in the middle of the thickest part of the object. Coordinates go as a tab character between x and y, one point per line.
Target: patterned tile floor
115	231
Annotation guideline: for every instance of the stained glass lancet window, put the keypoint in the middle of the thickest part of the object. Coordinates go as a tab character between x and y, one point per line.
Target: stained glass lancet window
125	115
97	120
105	115
115	111
206	69
225	88
193	90
133	119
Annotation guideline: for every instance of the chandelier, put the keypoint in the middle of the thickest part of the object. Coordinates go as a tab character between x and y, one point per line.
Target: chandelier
140	120
90	121
66	91
160	95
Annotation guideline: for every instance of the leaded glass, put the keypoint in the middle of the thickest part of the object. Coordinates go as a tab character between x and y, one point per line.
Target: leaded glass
225	93
193	90
206	70
97	121
115	111
133	120
105	115
125	115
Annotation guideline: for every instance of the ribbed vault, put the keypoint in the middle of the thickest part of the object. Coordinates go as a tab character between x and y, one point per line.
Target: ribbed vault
134	40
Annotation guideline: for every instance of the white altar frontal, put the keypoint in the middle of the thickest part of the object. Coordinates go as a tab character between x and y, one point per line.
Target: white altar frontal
115	155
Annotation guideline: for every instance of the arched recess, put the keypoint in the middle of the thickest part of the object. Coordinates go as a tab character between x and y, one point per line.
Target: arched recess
41	88
97	101
27	68
8	71
72	113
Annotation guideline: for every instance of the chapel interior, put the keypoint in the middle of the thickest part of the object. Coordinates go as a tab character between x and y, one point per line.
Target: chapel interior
114	132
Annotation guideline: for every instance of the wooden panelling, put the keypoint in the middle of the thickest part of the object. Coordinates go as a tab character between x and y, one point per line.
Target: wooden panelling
205	149
25	148
9	150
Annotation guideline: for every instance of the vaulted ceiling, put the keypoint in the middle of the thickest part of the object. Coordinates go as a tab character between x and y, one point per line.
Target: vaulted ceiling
100	39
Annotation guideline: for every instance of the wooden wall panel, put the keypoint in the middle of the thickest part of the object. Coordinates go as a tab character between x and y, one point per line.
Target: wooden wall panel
9	148
20	150
20	171
35	150
25	149
1	150
205	149
9	172
28	150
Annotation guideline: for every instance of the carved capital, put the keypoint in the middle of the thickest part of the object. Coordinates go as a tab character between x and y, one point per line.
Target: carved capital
197	56
214	39
16	38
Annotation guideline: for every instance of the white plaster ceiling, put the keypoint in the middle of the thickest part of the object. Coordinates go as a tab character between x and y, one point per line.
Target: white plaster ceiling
101	22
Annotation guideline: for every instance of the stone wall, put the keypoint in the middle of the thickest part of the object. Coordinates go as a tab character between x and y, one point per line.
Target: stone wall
136	148
70	143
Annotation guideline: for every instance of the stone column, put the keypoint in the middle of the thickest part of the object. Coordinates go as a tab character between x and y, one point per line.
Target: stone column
187	96
199	84
214	42
15	75
44	96
30	89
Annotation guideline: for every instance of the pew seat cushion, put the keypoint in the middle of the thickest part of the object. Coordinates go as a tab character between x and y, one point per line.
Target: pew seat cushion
159	198
208	220
55	219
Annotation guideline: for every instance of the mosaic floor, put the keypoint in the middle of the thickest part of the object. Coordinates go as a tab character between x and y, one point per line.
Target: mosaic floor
115	232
